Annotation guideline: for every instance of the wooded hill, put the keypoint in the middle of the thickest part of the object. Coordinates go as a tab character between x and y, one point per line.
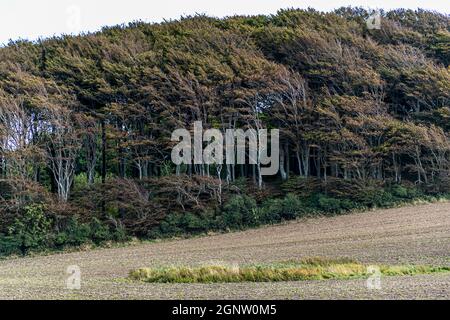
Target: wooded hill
86	121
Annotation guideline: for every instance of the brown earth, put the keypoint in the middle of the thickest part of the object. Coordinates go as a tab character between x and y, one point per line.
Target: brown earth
408	235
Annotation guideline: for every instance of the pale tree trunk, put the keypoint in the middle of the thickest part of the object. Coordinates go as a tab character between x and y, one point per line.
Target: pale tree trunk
282	165
64	145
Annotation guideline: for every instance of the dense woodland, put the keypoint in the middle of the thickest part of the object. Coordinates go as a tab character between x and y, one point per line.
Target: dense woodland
86	121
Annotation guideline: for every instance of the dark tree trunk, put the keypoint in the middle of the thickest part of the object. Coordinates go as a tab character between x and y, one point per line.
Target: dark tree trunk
103	163
103	152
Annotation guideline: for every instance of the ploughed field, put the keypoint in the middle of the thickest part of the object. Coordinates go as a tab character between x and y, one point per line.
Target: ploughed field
418	235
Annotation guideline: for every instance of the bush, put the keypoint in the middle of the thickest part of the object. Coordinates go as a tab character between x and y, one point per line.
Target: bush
32	229
241	211
240	184
99	232
271	211
292	207
74	234
333	205
328	204
193	223
183	223
35	231
404	192
377	198
171	225
275	210
9	245
120	234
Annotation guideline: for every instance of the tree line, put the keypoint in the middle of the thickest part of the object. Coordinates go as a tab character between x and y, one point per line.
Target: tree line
86	121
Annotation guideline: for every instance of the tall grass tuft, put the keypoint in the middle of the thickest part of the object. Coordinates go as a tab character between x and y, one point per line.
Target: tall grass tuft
306	269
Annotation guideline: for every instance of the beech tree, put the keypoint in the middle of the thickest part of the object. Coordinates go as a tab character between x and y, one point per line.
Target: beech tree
354	106
63	144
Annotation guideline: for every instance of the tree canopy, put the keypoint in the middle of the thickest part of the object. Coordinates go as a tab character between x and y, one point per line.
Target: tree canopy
352	103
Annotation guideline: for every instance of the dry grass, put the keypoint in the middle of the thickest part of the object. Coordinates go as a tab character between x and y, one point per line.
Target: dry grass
307	269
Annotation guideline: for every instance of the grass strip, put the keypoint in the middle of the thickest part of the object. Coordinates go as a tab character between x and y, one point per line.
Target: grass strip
307	269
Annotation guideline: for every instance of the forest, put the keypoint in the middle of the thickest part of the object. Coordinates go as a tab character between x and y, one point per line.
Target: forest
86	122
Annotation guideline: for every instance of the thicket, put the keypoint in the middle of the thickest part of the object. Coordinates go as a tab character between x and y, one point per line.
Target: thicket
86	121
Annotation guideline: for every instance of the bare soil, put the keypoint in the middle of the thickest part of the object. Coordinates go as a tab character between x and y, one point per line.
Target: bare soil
408	235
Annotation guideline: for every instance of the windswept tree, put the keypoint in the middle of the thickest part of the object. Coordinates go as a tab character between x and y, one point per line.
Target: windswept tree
63	145
355	108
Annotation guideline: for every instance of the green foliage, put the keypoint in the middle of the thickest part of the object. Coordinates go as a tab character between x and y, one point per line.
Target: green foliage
35	231
240	211
167	168
32	229
171	225
376	198
240	184
333	205
193	223
10	245
80	180
292	207
357	108
271	210
183	223
99	231
275	210
401	192
119	234
74	234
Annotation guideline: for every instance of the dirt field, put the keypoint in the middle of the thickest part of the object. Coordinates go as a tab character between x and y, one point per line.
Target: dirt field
410	235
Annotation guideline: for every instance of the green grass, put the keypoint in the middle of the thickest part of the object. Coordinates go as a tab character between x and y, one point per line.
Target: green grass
307	269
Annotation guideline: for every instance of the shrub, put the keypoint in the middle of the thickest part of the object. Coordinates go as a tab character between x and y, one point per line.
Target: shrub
74	233
99	231
193	223
183	223
291	207
240	184
271	210
9	245
171	225
241	211
15	196
275	210
155	233
32	229
376	198
399	191
333	205
120	234
404	192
